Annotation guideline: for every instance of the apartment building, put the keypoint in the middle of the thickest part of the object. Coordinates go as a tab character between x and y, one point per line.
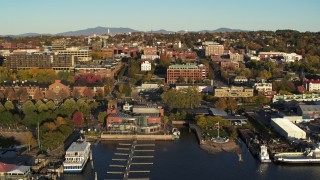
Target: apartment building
186	71
233	92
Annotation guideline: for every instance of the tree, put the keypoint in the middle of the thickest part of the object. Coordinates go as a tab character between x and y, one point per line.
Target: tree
232	104
37	94
201	121
51	106
88	93
60	121
165	121
29	139
63	94
12	95
51	125
76	93
9	106
78	118
28	108
221	104
51	95
2	108
102	116
42	108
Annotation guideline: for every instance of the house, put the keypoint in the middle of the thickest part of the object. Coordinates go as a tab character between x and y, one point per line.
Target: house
312	85
11	171
146	66
240	80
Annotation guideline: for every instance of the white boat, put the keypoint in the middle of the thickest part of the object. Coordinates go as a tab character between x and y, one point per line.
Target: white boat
264	155
175	133
307	157
76	157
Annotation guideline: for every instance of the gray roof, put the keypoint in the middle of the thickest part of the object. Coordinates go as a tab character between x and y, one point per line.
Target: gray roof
235	118
309	107
217	112
78	146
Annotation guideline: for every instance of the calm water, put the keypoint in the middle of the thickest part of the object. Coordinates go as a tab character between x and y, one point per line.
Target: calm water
183	159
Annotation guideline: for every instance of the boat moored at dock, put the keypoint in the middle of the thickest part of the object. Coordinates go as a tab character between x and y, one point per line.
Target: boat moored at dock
76	157
307	157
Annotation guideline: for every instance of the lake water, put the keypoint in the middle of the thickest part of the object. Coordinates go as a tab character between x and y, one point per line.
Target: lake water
184	159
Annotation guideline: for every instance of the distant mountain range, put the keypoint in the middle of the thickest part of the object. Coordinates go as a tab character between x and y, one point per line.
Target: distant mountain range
104	30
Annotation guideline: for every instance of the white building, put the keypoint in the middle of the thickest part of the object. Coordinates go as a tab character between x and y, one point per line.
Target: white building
292	57
148	87
312	85
146	66
149	57
263	87
240	79
82	55
287	129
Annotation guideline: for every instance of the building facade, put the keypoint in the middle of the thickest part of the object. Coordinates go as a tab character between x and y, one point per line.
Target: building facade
214	49
233	92
146	66
312	85
187	72
81	55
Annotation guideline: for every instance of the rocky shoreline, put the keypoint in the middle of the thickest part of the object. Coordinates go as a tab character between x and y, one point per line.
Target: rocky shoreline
212	147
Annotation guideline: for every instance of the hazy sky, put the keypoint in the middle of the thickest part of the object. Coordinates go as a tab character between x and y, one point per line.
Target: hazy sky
54	16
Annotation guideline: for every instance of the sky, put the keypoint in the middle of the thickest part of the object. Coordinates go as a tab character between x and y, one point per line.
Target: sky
55	16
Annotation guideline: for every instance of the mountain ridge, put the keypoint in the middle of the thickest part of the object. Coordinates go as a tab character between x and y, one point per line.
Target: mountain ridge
99	30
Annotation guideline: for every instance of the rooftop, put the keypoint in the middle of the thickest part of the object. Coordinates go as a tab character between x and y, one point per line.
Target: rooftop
78	146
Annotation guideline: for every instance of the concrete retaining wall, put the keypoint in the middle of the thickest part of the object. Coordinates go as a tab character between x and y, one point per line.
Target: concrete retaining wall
138	137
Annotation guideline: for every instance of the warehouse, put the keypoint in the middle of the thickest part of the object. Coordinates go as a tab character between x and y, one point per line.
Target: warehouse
287	129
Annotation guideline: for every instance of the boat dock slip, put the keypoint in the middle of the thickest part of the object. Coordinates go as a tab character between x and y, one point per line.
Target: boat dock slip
134	154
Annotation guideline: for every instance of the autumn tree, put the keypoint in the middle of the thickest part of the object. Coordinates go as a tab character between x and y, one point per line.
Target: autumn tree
63	94
51	95
37	94
221	104
78	118
88	93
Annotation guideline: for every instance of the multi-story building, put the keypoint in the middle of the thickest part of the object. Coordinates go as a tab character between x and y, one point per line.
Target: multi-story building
187	71
146	66
150	50
233	92
42	61
312	85
30	87
296	97
59	44
215	49
105	70
227	63
236	57
263	87
79	54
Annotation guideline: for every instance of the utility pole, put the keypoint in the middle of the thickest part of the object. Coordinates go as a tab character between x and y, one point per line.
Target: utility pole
39	137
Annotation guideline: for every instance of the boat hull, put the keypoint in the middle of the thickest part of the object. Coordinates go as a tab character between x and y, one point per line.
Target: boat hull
76	170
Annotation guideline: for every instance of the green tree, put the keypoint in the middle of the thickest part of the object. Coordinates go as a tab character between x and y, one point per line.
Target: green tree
102	116
221	104
9	106
201	121
28	107
2	108
51	106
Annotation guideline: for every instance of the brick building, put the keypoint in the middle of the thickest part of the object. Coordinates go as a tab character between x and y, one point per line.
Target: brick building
186	71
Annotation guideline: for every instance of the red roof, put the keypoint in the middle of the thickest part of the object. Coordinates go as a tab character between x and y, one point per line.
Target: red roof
313	81
5	167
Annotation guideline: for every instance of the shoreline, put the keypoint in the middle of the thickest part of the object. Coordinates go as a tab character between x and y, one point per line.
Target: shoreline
212	147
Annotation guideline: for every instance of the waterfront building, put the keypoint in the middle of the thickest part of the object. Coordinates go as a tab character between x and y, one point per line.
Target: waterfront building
287	129
233	92
136	118
12	171
187	72
308	112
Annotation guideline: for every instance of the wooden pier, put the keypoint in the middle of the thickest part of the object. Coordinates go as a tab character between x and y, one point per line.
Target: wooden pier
126	154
